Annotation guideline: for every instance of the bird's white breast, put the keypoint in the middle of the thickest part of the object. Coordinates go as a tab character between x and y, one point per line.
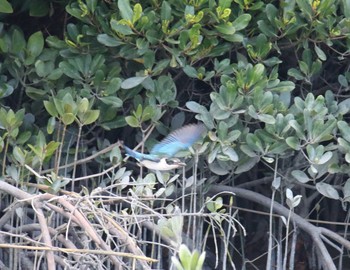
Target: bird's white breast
161	165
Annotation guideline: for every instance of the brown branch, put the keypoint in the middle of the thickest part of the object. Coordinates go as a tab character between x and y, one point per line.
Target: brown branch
85	160
46	235
335	237
86	225
38	202
54	233
314	231
124	237
83	251
9	212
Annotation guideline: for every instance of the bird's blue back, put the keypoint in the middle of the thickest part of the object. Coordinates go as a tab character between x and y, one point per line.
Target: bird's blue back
178	140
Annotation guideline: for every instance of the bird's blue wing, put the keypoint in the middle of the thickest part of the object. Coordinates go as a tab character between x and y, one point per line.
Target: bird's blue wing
140	156
178	140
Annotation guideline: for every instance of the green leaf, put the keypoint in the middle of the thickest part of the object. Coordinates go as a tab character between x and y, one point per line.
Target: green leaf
5	90
185	256
321	55
305	8
292	201
68	118
147	113
41	68
295	73
254	142
109	41
115	156
138	112
258	71
165	13
69	70
216	168
190	71
50	108
83	105
212	154
160	66
195	107
231	153
194	259
35	93
19	155
219	114
51	125
346	5
18	42
113	86
2	144
5	7
38	8
327	190
298	129
132	82
344	130
276	183
325	157
132	121
200	261
266	118
346	191
300	176
233	135
113	101
91	4
90	117
51	147
225	3
242	21
55	42
293	142
266	29
137	13
23	137
35	44
284	86
36	150
149	59
226	29
121	28
248	150
343	81
271	13
323	132
125	9
246	165
176	263
55	74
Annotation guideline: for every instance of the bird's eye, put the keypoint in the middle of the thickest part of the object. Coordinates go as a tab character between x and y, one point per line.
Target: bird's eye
170	161
173	161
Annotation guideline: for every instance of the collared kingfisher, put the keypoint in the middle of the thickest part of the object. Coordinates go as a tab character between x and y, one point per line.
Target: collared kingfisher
161	157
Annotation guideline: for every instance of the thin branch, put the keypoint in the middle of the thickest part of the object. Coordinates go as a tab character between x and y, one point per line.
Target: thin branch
46	236
85	160
83	251
312	230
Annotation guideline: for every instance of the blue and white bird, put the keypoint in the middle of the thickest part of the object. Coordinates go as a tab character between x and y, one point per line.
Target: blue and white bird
161	157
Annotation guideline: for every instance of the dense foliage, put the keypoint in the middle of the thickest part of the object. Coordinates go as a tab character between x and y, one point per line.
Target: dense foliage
270	81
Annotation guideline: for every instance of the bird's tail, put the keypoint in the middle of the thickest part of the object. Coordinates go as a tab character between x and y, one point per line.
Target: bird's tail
139	156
